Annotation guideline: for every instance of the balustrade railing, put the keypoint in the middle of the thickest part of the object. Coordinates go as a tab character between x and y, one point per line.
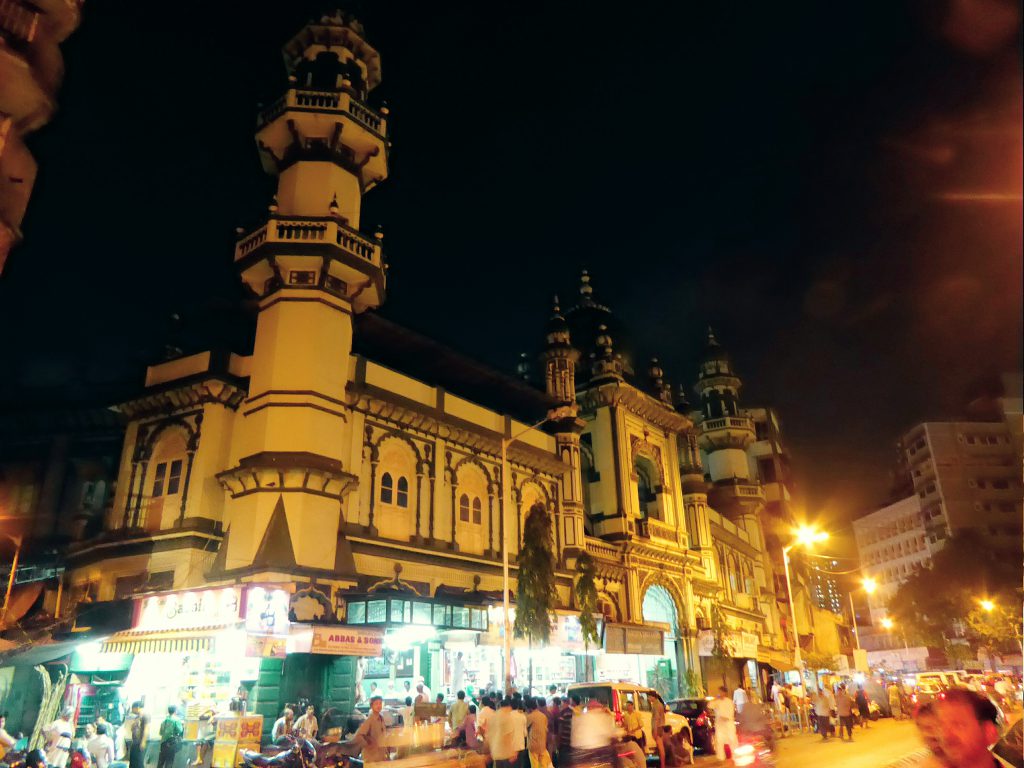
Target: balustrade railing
728	422
285	230
329	101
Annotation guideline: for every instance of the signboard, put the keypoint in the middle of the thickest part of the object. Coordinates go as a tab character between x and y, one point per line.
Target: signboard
345	640
266	646
738	645
266	611
647	641
190	610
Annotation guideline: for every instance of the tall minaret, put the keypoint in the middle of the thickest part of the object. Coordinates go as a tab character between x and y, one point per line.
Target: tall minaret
724	434
560	359
312	270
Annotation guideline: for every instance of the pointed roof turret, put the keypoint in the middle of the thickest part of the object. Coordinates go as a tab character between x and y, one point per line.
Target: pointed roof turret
606	363
656	382
713	350
558	328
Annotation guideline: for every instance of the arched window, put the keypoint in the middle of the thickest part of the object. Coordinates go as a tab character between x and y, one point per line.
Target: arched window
477	511
387	487
402	496
464	508
734	579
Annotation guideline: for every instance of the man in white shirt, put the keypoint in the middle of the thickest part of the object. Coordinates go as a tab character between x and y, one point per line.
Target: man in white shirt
483	717
739	698
101	747
58	739
724	711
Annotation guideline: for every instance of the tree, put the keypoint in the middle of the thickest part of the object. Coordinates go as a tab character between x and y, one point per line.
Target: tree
998	629
586	598
817	661
930	603
957	653
535	584
720	660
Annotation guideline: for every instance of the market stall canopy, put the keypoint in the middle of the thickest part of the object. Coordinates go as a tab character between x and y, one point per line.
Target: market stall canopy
38	653
163	640
23	597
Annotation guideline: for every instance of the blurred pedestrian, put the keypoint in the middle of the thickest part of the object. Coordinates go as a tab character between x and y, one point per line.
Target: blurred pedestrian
862	706
724	710
895	701
844	711
171	733
537	734
823	702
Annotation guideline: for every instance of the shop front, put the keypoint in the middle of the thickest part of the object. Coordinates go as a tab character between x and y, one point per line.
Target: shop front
740	666
638	653
188	649
432	641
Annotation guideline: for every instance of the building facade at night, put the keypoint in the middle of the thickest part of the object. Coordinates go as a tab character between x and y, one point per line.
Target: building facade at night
31	70
344	478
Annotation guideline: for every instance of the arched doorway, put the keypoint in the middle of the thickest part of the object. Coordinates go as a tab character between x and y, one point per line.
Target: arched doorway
663	672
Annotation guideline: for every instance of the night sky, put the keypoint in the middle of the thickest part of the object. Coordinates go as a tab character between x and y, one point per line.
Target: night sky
804	178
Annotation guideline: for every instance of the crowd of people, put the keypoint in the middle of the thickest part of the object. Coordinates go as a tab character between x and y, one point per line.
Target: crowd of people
523	731
101	743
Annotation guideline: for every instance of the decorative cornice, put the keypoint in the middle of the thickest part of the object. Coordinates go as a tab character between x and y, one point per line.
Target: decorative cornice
208	390
636	402
407	414
288	472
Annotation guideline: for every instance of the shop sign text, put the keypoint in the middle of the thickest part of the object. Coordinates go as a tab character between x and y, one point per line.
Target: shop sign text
188	610
347	641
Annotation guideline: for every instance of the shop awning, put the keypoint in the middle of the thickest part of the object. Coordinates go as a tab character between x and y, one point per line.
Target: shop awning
39	653
23	597
164	641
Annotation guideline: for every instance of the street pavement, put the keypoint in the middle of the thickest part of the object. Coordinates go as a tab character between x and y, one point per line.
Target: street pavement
884	743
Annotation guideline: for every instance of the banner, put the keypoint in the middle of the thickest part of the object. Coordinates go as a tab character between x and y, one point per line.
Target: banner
347	641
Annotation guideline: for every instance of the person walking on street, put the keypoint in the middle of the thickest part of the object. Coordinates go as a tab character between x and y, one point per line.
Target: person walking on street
895	702
58	739
171	733
501	736
537	734
844	710
658	725
724	710
373	731
740	698
458	711
565	717
140	737
824	703
862	706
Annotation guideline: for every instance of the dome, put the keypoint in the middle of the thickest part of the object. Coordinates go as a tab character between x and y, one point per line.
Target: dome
585	321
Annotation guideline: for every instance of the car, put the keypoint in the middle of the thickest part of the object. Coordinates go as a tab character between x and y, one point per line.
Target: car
615	695
927	691
701	720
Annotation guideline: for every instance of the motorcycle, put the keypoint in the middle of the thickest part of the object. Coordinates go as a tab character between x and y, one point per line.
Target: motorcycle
326	754
301	754
753	752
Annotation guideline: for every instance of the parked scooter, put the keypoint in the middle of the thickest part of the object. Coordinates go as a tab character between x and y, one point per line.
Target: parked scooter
302	754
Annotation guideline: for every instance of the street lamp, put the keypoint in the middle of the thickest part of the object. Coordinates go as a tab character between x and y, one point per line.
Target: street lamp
987	605
888	625
869	586
505	443
804	536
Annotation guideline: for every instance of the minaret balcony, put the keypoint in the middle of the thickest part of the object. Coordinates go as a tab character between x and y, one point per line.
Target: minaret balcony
726	432
324	102
736	493
314	230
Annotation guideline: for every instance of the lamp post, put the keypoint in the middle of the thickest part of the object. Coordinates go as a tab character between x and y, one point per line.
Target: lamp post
804	536
507	645
869	586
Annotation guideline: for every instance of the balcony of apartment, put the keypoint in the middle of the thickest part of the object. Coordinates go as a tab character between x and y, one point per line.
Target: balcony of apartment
656	529
726	432
320	230
340	102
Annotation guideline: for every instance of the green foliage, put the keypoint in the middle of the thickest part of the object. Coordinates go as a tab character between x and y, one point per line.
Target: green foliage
998	629
815	661
535	592
931	603
720	660
689	685
586	598
957	653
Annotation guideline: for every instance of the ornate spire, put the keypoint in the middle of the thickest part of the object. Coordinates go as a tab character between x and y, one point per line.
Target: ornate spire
658	387
558	328
606	363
